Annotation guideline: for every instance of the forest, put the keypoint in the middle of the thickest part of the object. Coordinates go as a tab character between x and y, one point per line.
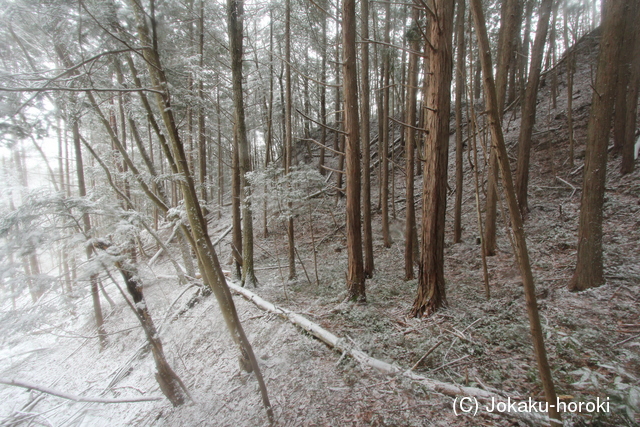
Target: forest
317	212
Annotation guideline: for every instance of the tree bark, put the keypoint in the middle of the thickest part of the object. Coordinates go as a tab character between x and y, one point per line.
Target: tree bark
431	290
589	268
355	272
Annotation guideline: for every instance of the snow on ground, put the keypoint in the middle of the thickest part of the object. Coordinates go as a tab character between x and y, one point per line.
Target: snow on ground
308	383
486	344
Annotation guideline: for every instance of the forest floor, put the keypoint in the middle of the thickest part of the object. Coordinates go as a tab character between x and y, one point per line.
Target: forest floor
592	337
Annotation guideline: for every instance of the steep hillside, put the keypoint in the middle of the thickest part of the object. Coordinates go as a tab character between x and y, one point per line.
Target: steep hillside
591	337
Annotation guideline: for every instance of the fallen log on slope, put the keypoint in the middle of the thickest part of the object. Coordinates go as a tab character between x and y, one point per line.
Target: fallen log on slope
341	345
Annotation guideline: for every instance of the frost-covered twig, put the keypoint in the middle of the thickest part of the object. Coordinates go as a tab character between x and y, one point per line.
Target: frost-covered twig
47	390
168	312
162	247
425	355
573	187
626	340
223	235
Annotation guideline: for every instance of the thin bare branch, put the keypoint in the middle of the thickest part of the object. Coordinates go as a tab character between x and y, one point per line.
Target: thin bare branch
420	54
304	75
407	125
74	89
333	170
320	124
47	390
71	69
323	146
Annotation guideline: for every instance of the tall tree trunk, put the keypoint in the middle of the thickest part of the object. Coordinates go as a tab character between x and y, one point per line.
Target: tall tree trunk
392	140
63	185
460	81
473	146
379	68
524	54
628	146
476	82
122	100
367	232
202	137
183	235
61	155
571	66
236	203
410	145
506	43
384	155
208	260
170	384
512	90
269	136
30	262
308	156
86	225
288	145
235	13
622	85
339	140
522	253
529	107
323	92
552	55
431	290
589	269
220	151
355	272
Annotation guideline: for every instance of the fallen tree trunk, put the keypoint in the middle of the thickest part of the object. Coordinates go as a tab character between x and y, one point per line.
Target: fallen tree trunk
341	345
